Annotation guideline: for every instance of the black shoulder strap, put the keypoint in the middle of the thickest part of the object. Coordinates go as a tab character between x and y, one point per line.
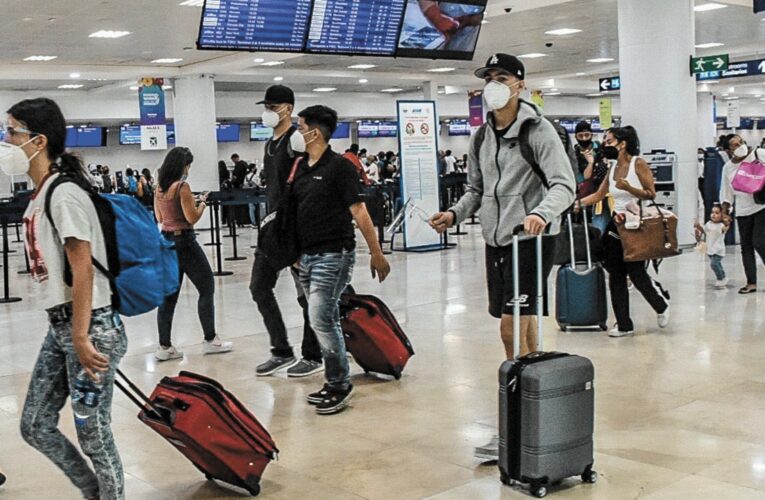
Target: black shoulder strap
528	152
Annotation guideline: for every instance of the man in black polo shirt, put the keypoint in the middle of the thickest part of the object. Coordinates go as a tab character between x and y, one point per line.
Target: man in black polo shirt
280	154
327	196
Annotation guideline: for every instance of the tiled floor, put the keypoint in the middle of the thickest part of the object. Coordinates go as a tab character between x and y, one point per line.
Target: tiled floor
680	413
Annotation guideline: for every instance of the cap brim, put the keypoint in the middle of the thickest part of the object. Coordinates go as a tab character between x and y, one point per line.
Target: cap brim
481	72
263	102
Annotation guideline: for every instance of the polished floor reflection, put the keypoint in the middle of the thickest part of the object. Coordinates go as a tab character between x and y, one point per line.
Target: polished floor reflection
680	412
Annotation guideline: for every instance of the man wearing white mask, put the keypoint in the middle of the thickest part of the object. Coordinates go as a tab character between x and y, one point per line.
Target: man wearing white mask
280	154
509	191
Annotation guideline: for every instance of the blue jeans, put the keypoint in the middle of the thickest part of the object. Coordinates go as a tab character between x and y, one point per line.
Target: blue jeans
324	276
715	261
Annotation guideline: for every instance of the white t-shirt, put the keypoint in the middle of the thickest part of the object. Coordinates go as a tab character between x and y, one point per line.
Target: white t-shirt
744	202
75	217
373	172
451	163
715	238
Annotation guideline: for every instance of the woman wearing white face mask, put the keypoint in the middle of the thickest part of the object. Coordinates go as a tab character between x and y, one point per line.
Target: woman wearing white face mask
749	215
86	338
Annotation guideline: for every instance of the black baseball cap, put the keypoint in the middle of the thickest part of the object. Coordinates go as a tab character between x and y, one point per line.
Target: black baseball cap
504	62
278	94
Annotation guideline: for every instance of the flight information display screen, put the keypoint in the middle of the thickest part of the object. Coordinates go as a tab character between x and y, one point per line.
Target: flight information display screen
228	132
355	27
256	25
459	127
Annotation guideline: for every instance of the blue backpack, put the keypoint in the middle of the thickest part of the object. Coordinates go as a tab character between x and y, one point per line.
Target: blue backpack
142	266
132	185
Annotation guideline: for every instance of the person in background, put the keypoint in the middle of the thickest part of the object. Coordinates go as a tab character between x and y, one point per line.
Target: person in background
240	171
629	182
750	215
390	170
450	161
146	189
441	163
131	183
279	156
713	232
373	171
95	178
177	211
224	176
352	155
86	337
107	179
592	169
327	198
363	157
497	172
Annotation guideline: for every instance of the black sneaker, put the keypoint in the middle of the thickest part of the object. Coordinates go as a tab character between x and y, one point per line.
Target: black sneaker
317	397
274	364
305	368
335	401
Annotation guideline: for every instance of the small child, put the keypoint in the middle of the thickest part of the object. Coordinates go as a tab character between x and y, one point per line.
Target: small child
714	234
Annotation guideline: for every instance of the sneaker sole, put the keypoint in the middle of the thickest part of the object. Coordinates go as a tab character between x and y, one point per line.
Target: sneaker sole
306	374
286	366
168	359
222	351
613	336
485	458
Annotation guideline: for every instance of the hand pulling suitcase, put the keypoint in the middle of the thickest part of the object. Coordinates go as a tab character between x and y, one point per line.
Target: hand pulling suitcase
373	336
546	408
209	426
580	296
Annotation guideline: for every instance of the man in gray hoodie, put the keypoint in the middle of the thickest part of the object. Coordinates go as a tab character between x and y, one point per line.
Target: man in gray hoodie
518	174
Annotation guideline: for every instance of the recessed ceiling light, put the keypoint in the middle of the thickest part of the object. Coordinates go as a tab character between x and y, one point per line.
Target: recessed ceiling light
563	31
362	66
324	89
552	93
167	87
731	98
392	90
40	58
709	45
167	60
363	80
709	6
278	78
595	95
259	60
71	86
273	63
554	90
710	82
109	34
74	75
600	60
533	55
725	95
98	79
581	74
134	87
192	3
440	70
487	22
758	95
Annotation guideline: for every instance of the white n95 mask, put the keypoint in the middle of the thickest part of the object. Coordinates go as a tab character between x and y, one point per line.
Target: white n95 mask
270	118
13	159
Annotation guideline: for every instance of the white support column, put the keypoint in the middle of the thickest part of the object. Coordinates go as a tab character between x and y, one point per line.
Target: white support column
194	112
707	132
658	95
430	91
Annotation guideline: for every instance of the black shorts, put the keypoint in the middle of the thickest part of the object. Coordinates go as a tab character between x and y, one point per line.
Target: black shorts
499	276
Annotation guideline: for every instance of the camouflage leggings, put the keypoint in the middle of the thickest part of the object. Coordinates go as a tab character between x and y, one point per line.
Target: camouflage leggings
54	373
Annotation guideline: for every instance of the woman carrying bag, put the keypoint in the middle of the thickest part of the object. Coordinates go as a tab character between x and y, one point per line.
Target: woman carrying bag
629	180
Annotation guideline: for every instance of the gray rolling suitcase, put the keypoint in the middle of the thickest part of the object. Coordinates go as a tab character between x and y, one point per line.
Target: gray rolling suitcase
546	408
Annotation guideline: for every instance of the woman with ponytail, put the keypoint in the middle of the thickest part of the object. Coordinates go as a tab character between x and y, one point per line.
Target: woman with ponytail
86	338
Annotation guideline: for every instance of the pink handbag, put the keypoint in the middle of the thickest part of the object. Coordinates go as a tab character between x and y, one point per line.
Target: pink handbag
750	177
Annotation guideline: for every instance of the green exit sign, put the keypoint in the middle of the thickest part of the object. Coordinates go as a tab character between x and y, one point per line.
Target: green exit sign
709	63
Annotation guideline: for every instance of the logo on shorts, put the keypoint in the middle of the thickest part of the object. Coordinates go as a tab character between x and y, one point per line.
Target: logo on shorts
523	300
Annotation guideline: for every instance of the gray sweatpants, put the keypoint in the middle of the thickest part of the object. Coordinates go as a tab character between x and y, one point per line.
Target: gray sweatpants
53	377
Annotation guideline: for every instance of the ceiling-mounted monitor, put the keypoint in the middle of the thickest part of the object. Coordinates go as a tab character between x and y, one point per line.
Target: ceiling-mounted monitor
260	133
459	127
343	131
441	30
227	132
355	27
254	25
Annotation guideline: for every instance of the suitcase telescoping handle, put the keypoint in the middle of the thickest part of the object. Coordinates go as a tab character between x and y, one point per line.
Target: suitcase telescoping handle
134	393
517	293
572	240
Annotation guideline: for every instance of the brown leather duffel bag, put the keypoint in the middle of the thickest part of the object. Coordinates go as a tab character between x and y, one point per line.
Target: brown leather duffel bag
655	238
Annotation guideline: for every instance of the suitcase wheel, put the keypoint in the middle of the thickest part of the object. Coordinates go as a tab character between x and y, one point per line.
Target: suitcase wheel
562	327
590	476
539	491
254	490
604	327
505	479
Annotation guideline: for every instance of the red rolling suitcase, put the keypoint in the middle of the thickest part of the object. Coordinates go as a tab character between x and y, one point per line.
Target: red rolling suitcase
373	336
209	426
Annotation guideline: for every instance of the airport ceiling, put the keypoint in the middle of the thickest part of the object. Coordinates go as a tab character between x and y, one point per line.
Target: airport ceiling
165	29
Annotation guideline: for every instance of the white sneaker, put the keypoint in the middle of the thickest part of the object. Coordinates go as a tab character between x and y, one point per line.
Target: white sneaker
488	452
167	353
721	284
663	318
217	346
616	333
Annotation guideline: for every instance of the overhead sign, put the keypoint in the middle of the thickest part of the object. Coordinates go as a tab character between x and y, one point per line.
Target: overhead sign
610	83
606	113
734	115
420	188
151	102
735	70
475	105
709	63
